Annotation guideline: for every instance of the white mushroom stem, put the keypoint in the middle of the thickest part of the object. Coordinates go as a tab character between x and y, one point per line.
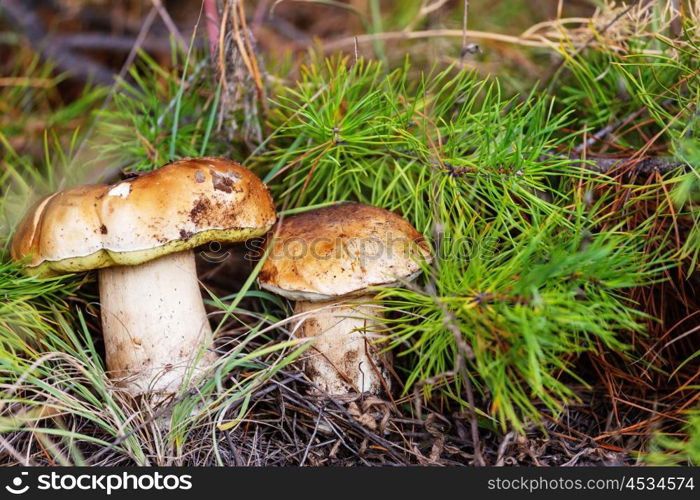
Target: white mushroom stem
344	356
156	330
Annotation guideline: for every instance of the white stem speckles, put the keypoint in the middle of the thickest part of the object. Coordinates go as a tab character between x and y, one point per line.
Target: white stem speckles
154	324
344	357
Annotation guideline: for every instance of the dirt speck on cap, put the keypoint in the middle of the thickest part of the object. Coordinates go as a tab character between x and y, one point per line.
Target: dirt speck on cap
199	176
222	182
103	229
199	209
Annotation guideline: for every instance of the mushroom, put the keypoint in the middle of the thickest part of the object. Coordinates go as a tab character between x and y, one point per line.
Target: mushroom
327	260
140	234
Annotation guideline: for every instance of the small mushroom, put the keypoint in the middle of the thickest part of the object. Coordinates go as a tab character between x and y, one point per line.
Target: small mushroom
140	234
327	260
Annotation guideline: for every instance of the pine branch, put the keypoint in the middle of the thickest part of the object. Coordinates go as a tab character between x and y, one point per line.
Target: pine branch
211	12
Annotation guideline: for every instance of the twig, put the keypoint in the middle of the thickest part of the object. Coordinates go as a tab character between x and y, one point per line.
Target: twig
23	81
524	41
116	43
465	17
242	35
607	130
311	439
503	447
437	33
169	23
211	14
642	165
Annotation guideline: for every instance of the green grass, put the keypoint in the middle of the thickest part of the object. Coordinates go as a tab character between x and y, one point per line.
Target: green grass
667	450
54	384
60	382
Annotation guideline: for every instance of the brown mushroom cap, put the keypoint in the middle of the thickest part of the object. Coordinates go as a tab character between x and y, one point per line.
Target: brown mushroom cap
177	207
341	250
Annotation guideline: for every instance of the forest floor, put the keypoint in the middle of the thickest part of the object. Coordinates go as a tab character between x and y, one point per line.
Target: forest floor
596	106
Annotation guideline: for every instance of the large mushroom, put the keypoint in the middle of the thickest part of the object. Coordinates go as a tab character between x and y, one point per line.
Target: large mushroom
327	260
140	234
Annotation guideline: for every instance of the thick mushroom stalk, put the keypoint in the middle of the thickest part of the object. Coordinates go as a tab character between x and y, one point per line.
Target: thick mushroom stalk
156	330
345	355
